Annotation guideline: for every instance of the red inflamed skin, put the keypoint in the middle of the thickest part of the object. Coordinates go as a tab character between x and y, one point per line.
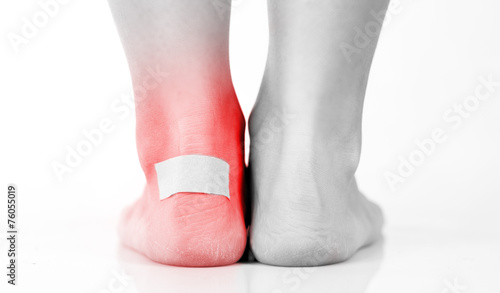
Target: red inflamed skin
177	117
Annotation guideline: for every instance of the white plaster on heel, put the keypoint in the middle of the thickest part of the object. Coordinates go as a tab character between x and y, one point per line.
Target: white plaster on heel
194	174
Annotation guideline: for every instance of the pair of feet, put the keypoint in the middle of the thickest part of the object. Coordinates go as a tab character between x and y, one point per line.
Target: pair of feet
306	207
305	132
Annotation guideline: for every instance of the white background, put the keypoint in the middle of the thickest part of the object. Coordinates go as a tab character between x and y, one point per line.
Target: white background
442	231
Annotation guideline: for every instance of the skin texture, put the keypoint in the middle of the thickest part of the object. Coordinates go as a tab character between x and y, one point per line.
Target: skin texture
305	132
185	105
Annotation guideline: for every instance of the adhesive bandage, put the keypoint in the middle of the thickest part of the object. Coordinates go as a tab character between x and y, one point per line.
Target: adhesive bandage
194	174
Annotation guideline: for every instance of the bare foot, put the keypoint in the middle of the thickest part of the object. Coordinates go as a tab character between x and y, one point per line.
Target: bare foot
305	134
186	108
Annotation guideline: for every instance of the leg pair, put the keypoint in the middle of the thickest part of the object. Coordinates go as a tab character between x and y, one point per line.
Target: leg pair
305	133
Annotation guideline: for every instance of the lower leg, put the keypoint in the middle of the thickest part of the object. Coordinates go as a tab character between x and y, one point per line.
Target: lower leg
306	201
185	105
